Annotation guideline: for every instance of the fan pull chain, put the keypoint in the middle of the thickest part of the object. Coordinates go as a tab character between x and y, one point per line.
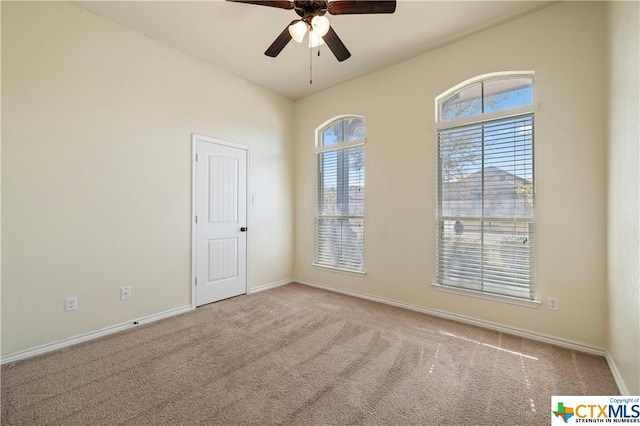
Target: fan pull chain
310	63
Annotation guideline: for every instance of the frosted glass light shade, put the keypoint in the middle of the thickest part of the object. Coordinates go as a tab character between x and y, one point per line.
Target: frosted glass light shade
298	30
320	25
314	40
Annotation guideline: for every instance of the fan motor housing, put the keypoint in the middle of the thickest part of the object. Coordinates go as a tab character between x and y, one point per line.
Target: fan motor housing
310	8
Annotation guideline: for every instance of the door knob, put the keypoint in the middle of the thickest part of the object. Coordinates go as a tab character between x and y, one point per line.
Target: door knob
243	229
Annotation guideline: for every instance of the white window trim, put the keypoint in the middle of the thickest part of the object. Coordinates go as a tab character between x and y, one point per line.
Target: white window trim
488	116
340	270
340	146
322	149
531	108
487	296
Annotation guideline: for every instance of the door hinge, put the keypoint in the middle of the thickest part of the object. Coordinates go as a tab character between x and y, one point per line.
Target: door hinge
196	157
196	280
196	219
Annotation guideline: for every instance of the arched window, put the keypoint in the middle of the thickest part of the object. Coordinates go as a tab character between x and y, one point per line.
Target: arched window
485	94
485	192
339	218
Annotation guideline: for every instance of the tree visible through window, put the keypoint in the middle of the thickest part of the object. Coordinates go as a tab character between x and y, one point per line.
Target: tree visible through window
486	186
340	194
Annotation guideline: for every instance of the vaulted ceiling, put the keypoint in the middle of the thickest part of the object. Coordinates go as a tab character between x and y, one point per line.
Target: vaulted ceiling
234	36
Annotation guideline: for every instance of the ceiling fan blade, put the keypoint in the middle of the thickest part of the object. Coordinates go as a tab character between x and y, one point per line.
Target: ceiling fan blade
336	45
279	43
280	4
352	7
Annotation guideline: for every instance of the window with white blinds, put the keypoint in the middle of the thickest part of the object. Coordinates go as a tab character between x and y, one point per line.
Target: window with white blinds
339	219
485	194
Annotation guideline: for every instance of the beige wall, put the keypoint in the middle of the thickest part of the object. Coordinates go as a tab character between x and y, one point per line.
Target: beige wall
96	171
623	191
564	45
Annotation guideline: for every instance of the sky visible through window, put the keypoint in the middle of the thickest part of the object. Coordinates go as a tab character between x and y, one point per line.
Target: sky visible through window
493	95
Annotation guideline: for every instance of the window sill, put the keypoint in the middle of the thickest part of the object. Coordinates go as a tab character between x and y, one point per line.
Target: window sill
340	270
486	296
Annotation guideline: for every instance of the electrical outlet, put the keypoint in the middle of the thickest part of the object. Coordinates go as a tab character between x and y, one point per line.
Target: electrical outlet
308	261
71	303
552	303
125	293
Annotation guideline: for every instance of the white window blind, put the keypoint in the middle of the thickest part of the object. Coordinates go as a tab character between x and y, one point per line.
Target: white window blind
339	209
485	207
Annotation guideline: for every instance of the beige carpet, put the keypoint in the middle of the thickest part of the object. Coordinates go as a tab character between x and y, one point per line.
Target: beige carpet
297	355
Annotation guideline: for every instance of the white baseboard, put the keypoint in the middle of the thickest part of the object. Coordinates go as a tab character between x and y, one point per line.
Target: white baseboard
269	286
48	347
468	320
622	387
38	350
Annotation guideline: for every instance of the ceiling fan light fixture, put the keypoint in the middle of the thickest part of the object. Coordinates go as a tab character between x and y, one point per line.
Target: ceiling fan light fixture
298	30
320	25
315	40
312	14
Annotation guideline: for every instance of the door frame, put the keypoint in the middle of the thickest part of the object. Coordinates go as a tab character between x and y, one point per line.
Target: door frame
195	138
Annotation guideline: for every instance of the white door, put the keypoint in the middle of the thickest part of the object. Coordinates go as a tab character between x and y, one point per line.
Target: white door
221	221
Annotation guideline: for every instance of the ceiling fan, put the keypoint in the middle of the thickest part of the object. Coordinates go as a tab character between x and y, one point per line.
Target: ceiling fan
313	20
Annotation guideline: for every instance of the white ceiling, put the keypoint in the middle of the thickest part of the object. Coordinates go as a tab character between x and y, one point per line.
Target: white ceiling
234	36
